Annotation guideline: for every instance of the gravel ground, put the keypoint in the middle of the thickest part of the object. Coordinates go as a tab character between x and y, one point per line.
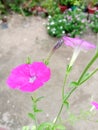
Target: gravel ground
22	38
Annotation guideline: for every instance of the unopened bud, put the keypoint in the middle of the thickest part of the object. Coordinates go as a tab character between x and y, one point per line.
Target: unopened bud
58	44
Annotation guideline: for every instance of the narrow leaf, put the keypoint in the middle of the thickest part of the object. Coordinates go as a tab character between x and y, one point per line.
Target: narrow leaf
45	126
66	103
60	127
37	110
31	116
39	98
73	84
28	61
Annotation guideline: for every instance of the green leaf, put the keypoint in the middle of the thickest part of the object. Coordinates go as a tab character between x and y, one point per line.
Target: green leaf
31	116
45	126
25	128
74	84
65	96
85	76
60	127
29	128
37	110
33	128
39	98
85	115
69	68
28	61
66	103
72	118
36	99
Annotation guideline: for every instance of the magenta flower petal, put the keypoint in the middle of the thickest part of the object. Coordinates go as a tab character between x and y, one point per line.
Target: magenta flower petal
95	104
78	45
29	77
77	42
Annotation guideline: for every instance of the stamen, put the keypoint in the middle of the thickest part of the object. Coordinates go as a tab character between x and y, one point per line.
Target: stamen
32	79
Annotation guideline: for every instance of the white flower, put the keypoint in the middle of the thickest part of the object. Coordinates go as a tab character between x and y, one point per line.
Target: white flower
52	23
63	32
61	27
64	20
60	21
49	16
53	32
83	21
96	16
69	9
53	29
48	28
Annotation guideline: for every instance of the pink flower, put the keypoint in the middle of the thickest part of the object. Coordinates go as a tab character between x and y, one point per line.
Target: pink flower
95	104
29	77
77	42
78	45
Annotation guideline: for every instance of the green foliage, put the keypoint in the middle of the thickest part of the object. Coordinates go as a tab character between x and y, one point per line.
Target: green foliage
82	115
2	8
94	22
71	23
72	118
76	22
45	126
66	103
35	108
63	2
70	2
75	2
51	126
29	128
56	24
51	6
17	6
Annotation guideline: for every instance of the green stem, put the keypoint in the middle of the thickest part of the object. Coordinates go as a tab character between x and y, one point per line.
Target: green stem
62	105
89	76
36	124
58	114
35	116
63	88
22	12
64	83
70	92
46	60
79	82
88	66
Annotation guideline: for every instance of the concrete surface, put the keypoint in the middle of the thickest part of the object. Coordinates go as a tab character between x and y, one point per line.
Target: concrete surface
28	37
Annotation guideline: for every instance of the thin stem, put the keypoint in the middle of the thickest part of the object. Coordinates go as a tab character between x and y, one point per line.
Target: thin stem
74	88
62	105
46	60
89	76
63	88
59	114
22	12
34	112
88	66
70	92
36	124
64	83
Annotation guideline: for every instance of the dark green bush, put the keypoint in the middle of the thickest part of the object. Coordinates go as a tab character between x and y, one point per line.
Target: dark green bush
71	23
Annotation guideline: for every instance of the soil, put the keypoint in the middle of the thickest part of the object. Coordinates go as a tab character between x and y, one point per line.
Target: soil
21	38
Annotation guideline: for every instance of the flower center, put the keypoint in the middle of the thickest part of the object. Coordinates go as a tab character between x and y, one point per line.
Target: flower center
32	79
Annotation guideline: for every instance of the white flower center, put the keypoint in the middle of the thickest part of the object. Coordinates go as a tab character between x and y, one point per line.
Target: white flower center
32	79
75	55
